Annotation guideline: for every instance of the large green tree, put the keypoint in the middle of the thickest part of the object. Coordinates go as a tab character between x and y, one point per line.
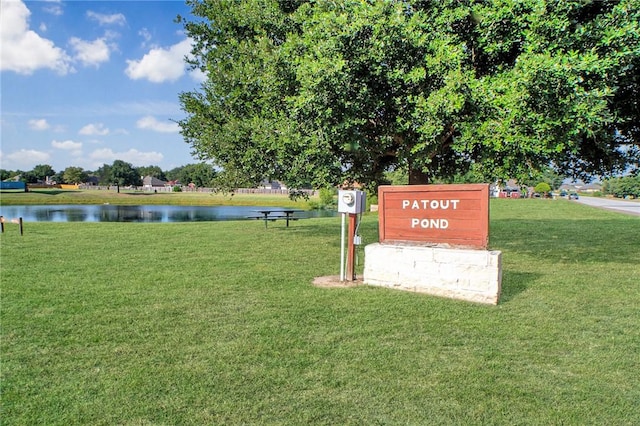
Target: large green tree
153	171
322	92
123	173
41	172
103	174
201	175
74	174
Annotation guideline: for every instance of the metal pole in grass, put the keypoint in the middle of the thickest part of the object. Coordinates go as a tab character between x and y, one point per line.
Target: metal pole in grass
16	221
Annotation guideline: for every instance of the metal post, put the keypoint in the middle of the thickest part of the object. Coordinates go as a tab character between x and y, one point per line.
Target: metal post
351	273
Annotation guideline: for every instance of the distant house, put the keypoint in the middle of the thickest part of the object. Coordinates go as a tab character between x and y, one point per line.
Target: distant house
581	187
16	178
92	181
592	187
509	190
150	182
270	184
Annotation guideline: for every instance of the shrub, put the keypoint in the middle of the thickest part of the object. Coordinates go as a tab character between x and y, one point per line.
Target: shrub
542	188
327	197
371	199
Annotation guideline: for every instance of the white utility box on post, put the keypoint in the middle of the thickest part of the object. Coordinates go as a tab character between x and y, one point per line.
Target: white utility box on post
351	201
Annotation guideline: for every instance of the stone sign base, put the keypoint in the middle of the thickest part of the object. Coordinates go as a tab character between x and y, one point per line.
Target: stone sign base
472	275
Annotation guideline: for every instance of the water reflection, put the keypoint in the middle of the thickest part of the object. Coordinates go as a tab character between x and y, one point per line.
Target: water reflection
127	214
76	215
112	213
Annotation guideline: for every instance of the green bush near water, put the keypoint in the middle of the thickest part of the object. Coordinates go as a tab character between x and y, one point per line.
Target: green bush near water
218	323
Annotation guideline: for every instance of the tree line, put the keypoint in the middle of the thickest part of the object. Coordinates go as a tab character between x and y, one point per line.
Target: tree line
622	187
118	173
204	175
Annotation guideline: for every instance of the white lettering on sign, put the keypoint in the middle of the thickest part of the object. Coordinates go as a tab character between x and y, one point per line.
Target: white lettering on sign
430	223
430	204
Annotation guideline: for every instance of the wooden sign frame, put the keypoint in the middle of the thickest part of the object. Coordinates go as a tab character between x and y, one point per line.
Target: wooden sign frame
455	215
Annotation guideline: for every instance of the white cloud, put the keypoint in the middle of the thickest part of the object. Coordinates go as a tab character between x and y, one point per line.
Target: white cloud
110	35
198	76
54	7
24	159
146	36
151	123
39	124
133	156
23	50
96	129
67	145
90	52
102	19
160	65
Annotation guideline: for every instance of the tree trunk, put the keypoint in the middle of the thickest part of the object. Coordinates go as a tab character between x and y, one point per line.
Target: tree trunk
417	176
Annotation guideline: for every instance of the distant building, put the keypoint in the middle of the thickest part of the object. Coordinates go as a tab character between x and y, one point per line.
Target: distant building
581	187
16	178
510	189
92	181
592	187
273	184
150	182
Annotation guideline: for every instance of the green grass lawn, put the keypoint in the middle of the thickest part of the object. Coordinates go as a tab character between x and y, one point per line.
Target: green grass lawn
218	323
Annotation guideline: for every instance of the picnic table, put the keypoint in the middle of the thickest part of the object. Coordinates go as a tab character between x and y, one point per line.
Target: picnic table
275	214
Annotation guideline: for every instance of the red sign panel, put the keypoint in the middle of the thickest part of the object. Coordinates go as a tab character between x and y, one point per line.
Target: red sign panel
440	214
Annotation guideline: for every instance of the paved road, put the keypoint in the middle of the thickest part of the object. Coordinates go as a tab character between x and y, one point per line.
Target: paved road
629	207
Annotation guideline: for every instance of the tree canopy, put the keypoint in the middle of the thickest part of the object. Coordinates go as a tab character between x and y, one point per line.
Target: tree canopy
41	172
153	171
123	173
74	175
201	175
319	93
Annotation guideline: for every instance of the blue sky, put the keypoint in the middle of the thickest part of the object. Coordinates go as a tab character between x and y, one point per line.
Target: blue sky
84	83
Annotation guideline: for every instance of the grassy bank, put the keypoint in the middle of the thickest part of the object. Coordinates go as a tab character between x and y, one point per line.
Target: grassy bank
59	196
218	323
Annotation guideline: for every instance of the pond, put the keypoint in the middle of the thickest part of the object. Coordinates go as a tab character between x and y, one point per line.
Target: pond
146	213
